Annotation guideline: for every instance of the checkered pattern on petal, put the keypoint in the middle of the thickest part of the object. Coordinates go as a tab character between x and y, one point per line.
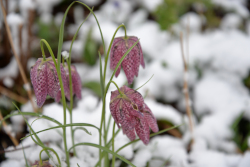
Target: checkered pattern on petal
53	82
117	51
76	81
45	81
131	62
38	74
150	119
114	109
142	130
132	114
65	82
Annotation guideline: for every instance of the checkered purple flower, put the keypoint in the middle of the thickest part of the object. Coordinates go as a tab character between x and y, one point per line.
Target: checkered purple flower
132	61
76	81
45	81
132	114
44	164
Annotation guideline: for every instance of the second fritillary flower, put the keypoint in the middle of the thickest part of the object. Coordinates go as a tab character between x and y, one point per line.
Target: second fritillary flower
45	81
132	114
132	61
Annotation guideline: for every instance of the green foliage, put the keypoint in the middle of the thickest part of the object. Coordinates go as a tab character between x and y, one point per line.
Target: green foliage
169	12
49	32
241	128
246	81
90	50
95	87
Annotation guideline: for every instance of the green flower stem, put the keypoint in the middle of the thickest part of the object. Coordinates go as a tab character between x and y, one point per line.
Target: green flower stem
107	146
117	87
57	65
107	129
42	49
43	41
71	86
113	145
111	42
71	103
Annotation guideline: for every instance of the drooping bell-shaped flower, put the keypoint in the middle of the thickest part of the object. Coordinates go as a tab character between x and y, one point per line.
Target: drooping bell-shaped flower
44	164
132	114
132	61
45	81
76	81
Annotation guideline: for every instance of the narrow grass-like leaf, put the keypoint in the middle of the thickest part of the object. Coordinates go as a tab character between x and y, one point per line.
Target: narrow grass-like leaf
153	134
145	82
51	149
82	128
101	77
31	114
61	126
108	145
105	149
38	142
26	162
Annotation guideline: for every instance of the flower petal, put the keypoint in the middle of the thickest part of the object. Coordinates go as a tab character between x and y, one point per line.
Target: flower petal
38	76
142	130
76	81
150	119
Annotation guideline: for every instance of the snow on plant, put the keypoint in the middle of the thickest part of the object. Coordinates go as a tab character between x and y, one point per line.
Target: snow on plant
59	80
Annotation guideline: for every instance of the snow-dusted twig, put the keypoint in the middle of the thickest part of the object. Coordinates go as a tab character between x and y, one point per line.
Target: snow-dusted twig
25	80
8	131
185	87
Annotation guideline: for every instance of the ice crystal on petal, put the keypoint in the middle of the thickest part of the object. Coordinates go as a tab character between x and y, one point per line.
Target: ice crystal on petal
45	81
132	61
132	114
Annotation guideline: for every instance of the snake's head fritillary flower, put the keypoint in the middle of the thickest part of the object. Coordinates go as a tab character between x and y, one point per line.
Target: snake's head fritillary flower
132	61
76	81
132	114
44	164
45	81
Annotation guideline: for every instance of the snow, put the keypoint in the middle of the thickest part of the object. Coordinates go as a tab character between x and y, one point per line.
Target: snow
231	21
151	6
11	70
117	11
193	20
11	162
8	82
245	161
14	19
211	158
